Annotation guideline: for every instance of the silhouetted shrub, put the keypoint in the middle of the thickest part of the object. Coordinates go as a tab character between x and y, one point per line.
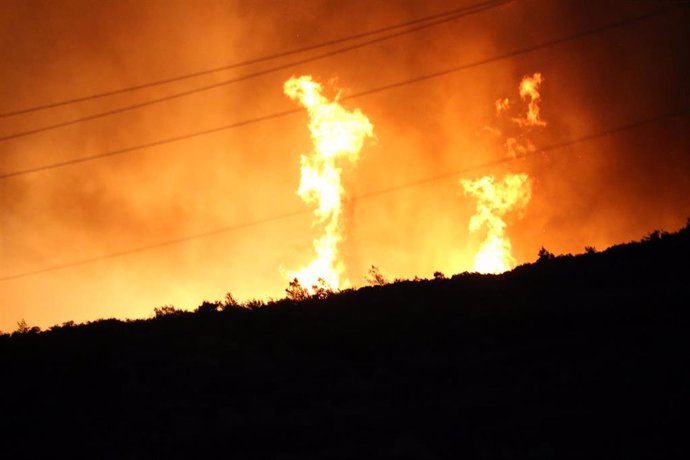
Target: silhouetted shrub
374	277
23	328
296	292
545	254
590	250
655	235
254	304
207	307
165	310
439	275
321	290
463	275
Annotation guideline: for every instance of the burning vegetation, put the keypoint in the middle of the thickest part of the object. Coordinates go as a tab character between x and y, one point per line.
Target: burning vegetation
512	193
338	136
494	201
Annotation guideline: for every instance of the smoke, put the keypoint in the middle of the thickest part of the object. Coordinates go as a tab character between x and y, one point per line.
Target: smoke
597	193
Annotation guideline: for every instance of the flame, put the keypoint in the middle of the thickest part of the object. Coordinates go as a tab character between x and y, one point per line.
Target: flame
517	148
336	133
529	89
502	105
494	200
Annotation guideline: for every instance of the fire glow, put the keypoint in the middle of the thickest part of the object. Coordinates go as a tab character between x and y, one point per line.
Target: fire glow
529	90
337	134
199	195
496	199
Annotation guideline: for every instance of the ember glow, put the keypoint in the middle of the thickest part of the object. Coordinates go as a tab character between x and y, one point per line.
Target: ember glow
338	136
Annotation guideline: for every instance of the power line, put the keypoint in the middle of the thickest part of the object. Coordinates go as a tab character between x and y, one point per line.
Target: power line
382	88
157	245
150	144
550	148
247	62
287	215
250	75
511	54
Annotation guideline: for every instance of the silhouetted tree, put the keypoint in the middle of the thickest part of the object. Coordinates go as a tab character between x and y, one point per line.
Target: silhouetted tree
439	275
24	328
230	302
590	250
545	254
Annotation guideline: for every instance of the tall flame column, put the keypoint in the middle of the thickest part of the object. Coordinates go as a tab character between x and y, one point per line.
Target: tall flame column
338	135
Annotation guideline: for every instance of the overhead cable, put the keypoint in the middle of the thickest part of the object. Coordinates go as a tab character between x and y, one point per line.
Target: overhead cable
245	77
382	88
248	62
600	134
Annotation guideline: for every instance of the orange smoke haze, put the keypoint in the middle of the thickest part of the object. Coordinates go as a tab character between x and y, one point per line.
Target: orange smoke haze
610	189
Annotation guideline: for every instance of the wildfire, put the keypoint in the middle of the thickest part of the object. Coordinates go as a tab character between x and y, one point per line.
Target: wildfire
502	105
337	134
529	90
495	200
518	147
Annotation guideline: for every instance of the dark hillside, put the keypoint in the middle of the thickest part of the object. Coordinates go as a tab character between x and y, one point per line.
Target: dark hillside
570	357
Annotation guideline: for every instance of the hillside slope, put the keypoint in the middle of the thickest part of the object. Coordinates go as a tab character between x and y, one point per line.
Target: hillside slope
571	357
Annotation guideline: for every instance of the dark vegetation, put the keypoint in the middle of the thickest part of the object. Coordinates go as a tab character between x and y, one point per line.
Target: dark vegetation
570	357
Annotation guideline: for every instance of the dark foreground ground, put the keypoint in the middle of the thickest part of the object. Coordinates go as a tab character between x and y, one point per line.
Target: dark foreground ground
572	357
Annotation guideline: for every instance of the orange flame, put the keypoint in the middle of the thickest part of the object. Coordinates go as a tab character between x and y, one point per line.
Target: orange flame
502	105
494	200
517	148
336	133
529	89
